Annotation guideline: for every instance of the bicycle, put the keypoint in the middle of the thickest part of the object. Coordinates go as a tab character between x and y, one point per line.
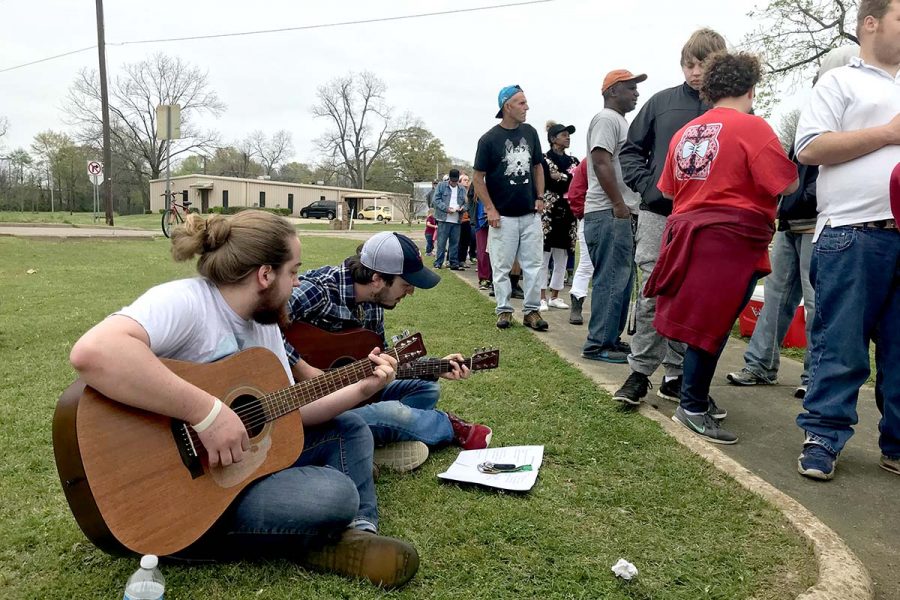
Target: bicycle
174	214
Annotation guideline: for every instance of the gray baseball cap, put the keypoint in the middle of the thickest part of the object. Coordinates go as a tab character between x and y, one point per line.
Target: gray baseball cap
396	254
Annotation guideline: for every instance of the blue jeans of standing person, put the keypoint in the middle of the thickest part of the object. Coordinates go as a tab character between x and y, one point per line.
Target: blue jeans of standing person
429	243
856	276
610	243
785	286
329	488
519	238
406	413
447	232
700	367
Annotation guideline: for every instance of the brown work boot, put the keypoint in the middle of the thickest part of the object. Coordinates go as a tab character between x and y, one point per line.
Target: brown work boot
504	320
386	562
534	320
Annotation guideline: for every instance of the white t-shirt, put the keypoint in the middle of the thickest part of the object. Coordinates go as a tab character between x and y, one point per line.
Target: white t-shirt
608	131
850	98
453	217
188	319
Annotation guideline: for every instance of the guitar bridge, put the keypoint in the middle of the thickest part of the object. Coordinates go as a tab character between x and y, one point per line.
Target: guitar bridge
187	449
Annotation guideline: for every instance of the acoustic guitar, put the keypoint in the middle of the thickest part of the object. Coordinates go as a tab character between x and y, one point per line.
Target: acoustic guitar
328	350
140	482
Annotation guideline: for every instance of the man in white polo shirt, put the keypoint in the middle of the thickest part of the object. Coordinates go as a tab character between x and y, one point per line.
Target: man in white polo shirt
851	128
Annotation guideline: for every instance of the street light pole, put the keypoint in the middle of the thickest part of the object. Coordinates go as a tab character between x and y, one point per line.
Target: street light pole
104	102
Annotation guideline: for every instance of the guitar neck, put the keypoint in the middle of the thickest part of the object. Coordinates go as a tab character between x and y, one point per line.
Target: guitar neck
427	367
280	403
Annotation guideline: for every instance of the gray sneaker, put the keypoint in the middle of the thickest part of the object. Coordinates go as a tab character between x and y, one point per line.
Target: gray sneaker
704	426
715	411
745	377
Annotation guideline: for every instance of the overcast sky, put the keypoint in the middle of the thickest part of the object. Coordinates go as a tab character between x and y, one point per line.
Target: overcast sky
446	70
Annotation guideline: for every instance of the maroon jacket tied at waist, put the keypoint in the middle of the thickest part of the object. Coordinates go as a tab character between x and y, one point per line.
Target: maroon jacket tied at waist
706	262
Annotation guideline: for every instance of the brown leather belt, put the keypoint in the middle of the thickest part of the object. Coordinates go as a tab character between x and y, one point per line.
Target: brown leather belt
882	224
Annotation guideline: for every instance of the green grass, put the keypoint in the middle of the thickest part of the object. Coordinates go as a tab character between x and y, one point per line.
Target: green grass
82	219
612	485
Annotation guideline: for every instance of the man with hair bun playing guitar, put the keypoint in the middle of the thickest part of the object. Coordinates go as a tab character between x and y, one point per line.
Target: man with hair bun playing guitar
321	510
387	268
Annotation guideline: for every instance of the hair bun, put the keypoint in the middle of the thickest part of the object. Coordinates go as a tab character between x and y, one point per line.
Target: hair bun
217	229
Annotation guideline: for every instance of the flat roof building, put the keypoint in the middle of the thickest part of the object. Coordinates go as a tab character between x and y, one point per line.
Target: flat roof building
207	191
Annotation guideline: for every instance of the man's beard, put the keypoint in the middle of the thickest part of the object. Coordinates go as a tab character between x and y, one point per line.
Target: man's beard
380	297
271	310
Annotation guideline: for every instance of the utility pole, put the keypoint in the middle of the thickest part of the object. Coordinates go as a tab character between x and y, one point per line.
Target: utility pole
104	101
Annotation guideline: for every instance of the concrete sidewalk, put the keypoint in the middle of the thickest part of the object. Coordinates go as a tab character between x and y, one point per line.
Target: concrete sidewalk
859	504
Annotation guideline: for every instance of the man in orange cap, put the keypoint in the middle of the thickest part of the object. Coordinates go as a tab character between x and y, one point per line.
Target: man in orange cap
607	220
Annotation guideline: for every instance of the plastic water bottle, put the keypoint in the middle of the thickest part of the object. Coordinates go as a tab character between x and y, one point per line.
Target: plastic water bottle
147	583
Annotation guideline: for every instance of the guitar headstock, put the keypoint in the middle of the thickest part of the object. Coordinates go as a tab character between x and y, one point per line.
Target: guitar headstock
409	348
486	358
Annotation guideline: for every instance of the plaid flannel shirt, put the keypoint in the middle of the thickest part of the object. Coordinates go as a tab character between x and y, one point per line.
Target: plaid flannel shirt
326	299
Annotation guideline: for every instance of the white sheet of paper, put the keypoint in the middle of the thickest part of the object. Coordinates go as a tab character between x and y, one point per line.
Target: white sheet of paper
465	468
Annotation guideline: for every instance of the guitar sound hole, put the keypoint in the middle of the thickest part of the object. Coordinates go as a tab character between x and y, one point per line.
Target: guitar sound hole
251	413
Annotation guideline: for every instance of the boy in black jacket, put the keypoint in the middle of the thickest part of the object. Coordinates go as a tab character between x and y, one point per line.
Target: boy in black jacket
642	160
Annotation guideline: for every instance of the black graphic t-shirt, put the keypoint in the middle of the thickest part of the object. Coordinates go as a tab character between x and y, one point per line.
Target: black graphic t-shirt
507	157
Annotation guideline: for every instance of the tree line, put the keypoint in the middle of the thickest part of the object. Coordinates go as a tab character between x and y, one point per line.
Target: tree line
365	146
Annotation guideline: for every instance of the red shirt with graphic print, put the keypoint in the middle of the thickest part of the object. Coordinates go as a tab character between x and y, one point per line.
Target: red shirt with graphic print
726	158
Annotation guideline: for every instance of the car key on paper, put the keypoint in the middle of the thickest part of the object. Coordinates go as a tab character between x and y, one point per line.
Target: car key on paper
490	468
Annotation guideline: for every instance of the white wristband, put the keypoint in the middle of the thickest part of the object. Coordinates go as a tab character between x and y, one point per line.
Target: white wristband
213	413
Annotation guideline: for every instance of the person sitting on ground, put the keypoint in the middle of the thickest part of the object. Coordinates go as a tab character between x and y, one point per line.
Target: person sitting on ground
321	510
558	220
404	422
724	171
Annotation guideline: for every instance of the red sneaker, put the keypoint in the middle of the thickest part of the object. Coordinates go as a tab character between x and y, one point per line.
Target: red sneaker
470	436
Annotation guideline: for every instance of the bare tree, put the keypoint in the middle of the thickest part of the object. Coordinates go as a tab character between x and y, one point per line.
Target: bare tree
134	96
787	128
4	126
272	152
362	124
792	36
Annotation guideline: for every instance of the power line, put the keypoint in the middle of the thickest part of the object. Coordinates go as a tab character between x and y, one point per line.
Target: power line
34	62
285	29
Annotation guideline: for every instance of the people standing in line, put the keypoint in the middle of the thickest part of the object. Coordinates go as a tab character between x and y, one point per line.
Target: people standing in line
724	172
585	269
558	221
789	281
607	220
509	180
321	510
430	231
468	253
448	202
851	129
642	162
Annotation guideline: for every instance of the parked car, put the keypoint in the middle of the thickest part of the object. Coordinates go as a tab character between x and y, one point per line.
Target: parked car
382	213
319	209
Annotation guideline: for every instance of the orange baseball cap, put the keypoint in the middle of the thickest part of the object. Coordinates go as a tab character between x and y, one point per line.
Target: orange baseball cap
614	77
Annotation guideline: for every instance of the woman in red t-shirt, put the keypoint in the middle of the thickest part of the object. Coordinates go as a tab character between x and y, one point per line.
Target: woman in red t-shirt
724	172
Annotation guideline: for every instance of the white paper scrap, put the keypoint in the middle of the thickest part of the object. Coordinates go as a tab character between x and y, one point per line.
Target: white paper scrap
624	569
465	468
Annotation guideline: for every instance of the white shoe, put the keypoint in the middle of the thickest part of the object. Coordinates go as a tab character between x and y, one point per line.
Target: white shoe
544	307
557	303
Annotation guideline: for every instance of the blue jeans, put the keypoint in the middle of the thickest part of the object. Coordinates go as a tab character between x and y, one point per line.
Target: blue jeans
785	286
856	276
700	367
429	243
519	238
611	245
447	232
329	487
406	413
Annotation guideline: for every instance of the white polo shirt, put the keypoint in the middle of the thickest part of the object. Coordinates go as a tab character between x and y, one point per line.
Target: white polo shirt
857	96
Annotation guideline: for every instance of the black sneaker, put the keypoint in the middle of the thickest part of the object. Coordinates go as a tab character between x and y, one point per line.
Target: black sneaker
704	426
715	411
634	388
518	293
670	390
